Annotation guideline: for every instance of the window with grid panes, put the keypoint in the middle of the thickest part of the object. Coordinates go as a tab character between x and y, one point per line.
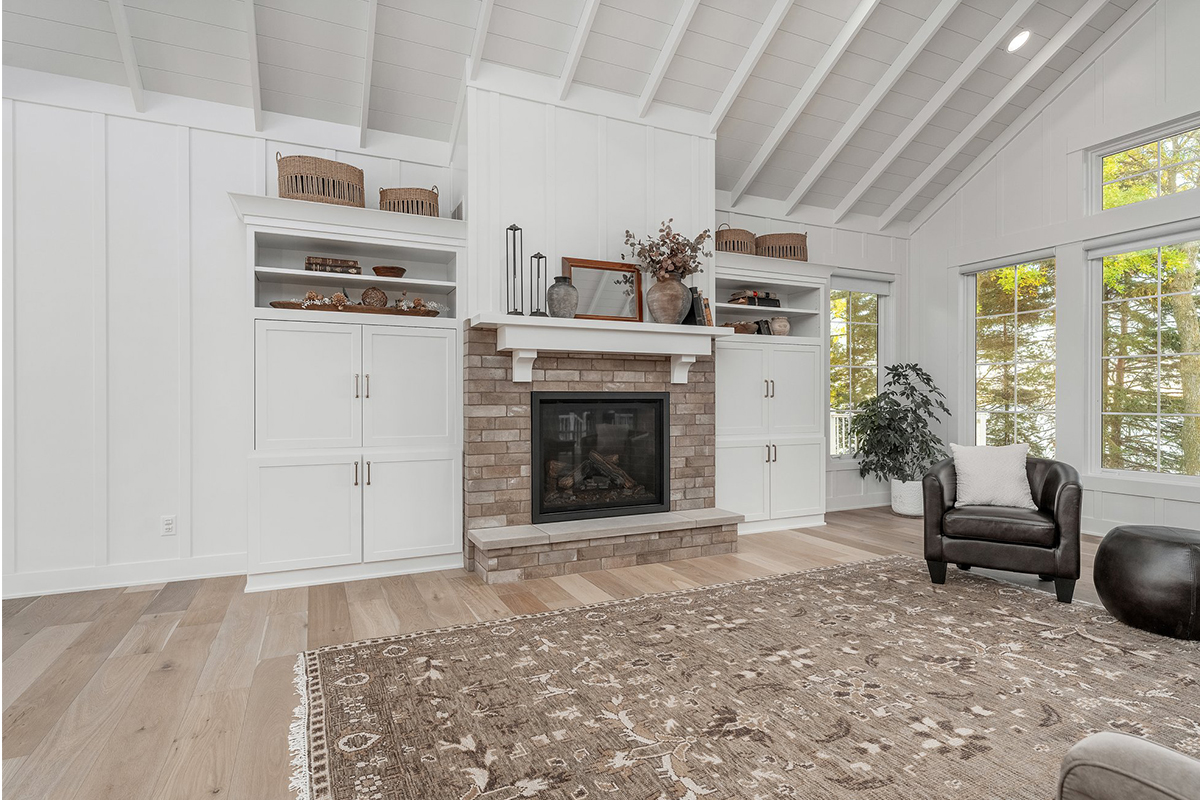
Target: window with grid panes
1150	360
853	362
1154	169
1014	356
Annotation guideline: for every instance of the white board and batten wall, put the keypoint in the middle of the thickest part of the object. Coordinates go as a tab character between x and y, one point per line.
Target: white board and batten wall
129	371
1032	198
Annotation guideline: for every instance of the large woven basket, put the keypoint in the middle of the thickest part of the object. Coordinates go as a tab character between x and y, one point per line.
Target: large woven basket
792	246
735	240
320	180
410	201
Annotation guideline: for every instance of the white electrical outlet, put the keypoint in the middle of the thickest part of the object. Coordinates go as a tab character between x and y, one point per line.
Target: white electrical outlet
168	525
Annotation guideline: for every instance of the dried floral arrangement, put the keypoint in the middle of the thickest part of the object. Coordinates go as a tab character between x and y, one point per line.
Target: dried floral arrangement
670	254
417	304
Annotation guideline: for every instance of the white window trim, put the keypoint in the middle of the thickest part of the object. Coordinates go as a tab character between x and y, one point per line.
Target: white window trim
1094	297
1096	154
886	358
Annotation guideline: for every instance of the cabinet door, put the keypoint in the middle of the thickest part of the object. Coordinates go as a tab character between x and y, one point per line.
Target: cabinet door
412	506
742	389
796	390
411	389
797	478
305	512
743	479
307	384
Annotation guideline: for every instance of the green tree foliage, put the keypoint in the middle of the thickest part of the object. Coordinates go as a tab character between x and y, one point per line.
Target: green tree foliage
891	432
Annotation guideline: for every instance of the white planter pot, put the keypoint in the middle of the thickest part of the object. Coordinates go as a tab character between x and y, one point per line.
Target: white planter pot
906	498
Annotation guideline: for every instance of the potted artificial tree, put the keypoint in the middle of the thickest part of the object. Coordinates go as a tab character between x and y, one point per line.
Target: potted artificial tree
892	437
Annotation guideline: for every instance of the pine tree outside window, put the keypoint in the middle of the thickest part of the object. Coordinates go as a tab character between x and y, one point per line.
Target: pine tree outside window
1150	360
1015	356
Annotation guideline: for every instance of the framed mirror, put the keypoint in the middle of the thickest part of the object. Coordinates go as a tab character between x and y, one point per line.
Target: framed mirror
607	289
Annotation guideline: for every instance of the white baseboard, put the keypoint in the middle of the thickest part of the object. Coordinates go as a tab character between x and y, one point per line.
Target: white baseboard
765	525
25	584
350	572
857	501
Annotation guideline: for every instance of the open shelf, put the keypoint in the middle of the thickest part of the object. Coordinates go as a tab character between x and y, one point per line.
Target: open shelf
764	311
339	279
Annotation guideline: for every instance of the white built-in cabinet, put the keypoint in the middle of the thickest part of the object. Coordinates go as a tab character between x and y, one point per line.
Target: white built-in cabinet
770	453
382	400
355	467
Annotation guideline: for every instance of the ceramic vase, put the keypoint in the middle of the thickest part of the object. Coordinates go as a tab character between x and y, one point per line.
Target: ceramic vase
780	326
668	301
562	299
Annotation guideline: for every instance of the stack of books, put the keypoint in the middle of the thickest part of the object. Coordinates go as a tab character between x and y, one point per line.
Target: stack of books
746	297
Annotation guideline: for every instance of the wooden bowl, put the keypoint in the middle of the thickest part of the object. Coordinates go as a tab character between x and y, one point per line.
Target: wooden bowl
390	272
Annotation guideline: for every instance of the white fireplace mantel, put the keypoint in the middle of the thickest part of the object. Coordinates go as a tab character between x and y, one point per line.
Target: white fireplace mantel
525	337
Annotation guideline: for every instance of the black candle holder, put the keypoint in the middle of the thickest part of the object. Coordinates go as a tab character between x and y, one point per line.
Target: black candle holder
514	273
537	279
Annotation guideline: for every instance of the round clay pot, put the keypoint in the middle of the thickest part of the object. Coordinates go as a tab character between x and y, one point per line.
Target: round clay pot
668	301
780	326
562	299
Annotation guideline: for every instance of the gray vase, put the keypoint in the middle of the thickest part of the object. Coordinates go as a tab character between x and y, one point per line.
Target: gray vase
668	301
562	299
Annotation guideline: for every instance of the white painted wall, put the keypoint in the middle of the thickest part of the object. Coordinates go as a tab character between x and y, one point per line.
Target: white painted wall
1032	196
127	370
574	181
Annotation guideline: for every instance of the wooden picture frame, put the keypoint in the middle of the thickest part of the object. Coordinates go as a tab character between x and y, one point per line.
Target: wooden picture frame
574	264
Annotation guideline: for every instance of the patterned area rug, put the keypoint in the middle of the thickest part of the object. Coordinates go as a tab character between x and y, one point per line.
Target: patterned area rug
862	680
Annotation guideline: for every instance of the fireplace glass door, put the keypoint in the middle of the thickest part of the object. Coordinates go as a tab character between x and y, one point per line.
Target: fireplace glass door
599	454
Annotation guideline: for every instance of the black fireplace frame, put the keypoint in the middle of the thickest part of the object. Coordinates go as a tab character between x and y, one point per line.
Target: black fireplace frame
537	484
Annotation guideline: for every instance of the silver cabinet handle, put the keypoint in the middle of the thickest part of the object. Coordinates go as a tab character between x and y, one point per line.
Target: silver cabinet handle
775	453
768	461
367	393
772	388
766	388
356	473
368	473
356	386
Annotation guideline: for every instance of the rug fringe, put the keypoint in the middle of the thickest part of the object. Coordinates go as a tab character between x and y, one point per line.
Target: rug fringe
298	736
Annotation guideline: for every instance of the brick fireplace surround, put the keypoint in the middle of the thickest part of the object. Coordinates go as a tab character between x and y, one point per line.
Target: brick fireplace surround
502	545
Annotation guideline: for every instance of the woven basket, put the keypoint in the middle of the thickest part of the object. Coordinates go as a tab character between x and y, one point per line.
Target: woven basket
735	240
792	246
320	180
410	201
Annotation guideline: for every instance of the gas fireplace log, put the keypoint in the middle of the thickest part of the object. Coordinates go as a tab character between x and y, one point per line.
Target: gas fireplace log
568	480
609	467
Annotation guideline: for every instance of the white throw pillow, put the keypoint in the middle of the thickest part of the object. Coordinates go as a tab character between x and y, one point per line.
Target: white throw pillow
992	476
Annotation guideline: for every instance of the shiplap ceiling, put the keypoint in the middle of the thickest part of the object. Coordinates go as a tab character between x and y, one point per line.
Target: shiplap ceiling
867	107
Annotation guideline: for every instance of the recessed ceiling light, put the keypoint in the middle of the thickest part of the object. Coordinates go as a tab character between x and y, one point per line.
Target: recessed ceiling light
1018	41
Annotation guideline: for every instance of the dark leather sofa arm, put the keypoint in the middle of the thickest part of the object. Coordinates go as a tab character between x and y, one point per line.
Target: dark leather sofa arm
1062	497
1113	766
938	487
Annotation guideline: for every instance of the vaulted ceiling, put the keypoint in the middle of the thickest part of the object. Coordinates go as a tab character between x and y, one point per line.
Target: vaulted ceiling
867	107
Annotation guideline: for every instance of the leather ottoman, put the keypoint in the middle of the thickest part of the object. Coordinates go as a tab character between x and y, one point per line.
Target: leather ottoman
1148	576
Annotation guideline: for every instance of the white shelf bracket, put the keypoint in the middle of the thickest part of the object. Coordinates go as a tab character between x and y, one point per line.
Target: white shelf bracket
522	365
680	366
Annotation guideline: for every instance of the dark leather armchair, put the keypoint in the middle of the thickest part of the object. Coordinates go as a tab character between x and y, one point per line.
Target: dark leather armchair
1044	542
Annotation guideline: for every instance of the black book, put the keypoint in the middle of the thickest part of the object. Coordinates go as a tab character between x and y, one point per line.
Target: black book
695	315
764	327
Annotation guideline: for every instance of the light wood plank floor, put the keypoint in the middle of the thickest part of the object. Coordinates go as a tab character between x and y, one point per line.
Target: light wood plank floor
184	690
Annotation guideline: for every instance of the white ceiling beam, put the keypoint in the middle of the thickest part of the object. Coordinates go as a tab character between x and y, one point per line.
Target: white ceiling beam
820	72
1005	96
678	30
933	23
749	61
581	34
125	43
369	62
935	104
460	107
252	56
1072	73
481	29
